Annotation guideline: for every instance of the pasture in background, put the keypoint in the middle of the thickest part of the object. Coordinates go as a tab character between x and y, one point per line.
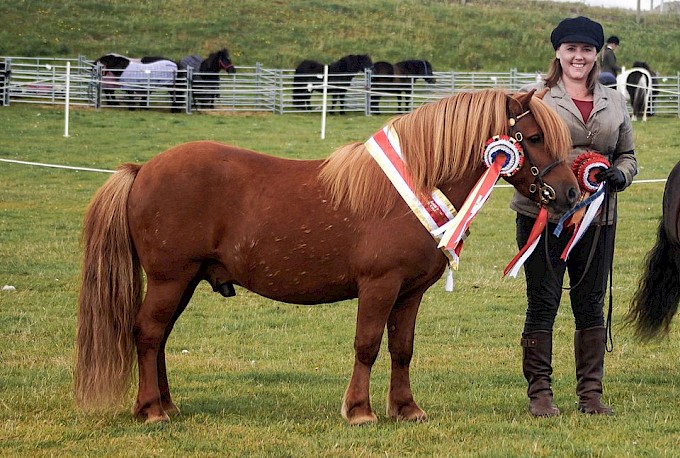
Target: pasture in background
257	377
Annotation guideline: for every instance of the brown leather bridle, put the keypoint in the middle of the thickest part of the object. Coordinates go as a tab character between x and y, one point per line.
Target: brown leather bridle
546	193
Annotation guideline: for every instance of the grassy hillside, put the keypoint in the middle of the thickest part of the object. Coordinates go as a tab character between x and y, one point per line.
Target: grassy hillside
479	35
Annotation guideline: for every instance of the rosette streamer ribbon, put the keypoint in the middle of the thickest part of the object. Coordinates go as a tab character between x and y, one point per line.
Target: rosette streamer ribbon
433	211
503	156
512	269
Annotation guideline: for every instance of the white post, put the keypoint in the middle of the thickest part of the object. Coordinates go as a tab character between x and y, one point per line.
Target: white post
324	99
68	96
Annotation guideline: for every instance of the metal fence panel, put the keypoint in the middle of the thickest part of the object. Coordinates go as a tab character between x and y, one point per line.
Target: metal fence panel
42	80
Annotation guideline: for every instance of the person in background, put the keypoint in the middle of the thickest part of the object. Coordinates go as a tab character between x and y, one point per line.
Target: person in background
609	68
598	120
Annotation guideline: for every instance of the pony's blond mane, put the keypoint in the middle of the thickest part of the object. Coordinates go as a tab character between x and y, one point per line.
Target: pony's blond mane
441	142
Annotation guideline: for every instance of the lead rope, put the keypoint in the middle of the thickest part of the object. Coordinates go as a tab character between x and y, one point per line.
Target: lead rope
609	339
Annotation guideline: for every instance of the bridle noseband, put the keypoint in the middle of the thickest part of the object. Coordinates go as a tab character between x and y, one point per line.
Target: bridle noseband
546	193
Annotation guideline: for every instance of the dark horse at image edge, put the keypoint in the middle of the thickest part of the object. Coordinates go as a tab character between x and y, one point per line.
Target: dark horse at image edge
296	231
309	77
656	300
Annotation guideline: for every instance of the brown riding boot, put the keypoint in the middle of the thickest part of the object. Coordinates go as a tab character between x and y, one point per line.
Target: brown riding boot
537	368
589	346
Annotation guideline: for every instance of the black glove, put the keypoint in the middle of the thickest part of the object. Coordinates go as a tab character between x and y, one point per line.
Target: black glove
613	176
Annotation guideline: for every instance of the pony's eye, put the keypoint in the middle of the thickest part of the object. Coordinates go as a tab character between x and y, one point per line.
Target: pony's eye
534	139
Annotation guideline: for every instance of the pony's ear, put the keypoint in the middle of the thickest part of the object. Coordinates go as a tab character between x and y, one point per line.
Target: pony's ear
519	102
540	94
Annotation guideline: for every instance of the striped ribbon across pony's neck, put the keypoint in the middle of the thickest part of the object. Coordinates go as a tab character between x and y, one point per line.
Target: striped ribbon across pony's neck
433	211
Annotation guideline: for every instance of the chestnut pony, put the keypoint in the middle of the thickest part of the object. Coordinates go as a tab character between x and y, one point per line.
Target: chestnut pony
658	294
304	232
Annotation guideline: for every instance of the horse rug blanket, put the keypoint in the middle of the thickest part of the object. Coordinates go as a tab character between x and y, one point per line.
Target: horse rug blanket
140	76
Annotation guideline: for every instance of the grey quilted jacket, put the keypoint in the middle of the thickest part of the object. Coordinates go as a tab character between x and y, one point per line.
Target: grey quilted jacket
608	131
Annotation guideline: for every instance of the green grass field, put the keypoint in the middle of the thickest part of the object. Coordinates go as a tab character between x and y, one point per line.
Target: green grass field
471	35
254	377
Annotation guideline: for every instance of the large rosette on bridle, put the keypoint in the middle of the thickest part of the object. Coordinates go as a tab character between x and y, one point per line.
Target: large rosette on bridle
585	167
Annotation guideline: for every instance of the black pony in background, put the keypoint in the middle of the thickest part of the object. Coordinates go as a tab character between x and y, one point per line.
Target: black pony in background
138	77
398	79
309	76
205	77
641	90
382	82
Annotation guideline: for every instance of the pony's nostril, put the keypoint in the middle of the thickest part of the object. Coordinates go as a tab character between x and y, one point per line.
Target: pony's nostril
572	195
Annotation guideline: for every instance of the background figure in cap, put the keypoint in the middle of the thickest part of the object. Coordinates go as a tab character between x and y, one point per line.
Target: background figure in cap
609	68
598	120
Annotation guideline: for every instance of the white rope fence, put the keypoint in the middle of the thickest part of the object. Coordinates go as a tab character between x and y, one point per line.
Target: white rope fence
88	169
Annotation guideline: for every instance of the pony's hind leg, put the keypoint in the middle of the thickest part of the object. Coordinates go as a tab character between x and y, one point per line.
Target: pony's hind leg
400	331
154	320
163	386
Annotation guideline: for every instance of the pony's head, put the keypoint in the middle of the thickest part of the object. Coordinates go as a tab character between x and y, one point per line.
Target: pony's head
116	63
428	72
546	177
225	61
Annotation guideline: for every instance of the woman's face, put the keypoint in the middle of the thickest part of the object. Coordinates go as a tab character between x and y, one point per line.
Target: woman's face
576	60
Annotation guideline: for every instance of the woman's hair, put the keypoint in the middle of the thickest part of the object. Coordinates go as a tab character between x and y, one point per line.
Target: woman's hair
555	75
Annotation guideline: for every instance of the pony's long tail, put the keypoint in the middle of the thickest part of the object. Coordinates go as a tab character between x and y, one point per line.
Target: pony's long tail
658	293
110	294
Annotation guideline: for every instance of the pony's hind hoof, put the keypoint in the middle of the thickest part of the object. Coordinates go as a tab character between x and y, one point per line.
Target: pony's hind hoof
227	289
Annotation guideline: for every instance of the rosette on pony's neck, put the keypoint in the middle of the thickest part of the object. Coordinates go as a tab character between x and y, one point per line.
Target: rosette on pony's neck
503	156
507	146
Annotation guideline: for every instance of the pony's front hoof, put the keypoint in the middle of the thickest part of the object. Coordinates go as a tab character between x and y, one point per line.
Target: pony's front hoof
359	416
171	409
363	419
410	412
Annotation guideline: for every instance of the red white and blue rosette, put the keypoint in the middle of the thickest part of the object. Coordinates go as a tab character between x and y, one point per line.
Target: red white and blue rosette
510	148
585	167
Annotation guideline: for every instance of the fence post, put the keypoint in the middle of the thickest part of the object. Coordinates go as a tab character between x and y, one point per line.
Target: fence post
67	102
5	75
368	76
189	75
324	99
98	86
279	79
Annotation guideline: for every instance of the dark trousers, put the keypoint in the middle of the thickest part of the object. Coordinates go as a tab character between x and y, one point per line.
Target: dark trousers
544	284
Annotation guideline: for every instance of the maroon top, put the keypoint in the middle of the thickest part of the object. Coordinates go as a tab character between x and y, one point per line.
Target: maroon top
585	107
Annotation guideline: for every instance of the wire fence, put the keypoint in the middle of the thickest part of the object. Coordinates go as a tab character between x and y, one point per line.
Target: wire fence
40	80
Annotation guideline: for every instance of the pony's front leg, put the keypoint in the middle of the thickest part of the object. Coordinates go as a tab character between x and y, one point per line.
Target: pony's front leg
400	331
374	308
